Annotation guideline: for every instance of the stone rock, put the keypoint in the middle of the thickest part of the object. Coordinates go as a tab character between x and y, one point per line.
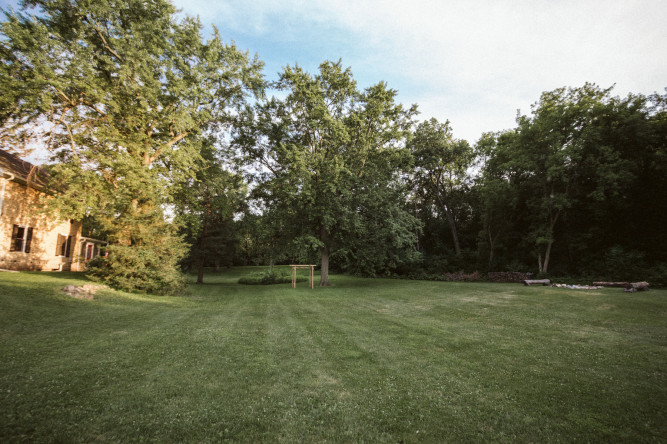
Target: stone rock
85	291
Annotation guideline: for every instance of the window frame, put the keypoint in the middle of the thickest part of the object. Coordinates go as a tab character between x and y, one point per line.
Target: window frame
24	240
63	245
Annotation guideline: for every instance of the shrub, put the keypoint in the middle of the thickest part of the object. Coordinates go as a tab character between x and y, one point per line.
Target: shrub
657	275
622	264
270	278
144	269
461	276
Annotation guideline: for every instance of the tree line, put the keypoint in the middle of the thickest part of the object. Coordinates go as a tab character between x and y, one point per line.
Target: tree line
168	145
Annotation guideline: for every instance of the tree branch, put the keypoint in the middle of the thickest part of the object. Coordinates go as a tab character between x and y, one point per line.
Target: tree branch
61	121
169	144
104	41
92	106
67	99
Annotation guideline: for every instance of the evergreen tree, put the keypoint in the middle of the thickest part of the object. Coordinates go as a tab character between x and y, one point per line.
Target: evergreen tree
120	91
205	207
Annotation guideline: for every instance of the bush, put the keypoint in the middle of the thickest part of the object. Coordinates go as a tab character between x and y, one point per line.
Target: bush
656	275
270	278
624	265
144	269
460	276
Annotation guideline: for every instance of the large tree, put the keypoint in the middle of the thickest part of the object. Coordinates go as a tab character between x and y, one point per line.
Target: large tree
581	173
206	207
120	91
499	195
332	157
441	169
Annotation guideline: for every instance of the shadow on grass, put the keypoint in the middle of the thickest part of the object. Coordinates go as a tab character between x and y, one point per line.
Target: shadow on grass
61	275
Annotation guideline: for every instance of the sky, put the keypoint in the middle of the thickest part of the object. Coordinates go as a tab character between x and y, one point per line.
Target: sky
472	62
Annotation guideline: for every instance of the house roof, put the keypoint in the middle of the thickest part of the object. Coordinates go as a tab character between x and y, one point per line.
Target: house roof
93	240
23	171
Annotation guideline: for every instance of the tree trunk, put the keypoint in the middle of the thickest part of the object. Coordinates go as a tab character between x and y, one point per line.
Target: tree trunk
442	200
547	255
202	243
324	251
200	271
636	286
539	261
324	272
452	228
613	284
492	244
530	282
553	218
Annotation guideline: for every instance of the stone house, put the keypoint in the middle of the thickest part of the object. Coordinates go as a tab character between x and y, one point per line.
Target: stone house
29	238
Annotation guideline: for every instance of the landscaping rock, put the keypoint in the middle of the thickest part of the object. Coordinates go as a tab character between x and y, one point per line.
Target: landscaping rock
85	291
579	287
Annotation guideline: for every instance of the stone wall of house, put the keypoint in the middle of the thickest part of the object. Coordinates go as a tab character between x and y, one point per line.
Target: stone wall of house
21	206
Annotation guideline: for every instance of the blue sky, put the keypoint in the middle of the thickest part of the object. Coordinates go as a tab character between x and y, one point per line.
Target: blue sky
472	62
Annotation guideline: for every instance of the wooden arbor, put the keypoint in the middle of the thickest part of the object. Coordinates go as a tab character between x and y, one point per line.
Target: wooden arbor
311	276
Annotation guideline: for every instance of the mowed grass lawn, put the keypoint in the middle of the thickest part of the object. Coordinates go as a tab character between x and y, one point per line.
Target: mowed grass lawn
368	360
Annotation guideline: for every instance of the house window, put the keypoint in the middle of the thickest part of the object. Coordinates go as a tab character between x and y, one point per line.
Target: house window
21	238
63	245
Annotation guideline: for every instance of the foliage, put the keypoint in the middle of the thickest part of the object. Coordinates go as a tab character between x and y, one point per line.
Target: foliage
625	265
120	92
575	179
422	275
267	238
441	171
150	269
205	207
329	156
578	187
656	275
270	277
499	197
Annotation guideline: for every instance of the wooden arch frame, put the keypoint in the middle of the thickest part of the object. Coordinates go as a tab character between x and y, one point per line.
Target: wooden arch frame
311	276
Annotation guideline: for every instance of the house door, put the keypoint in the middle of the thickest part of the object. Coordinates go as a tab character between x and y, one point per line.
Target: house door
90	250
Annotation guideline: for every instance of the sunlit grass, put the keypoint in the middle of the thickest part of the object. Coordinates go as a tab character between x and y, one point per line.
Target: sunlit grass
365	360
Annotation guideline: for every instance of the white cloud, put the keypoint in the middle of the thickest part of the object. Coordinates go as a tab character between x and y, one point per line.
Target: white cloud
473	62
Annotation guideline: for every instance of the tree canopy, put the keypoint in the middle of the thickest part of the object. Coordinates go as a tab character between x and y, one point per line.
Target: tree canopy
165	142
330	159
580	171
441	169
121	92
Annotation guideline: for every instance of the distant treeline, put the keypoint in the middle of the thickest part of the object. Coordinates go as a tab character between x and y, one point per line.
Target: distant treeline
168	146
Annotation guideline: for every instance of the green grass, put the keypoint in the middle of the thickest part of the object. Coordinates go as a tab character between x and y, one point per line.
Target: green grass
363	361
